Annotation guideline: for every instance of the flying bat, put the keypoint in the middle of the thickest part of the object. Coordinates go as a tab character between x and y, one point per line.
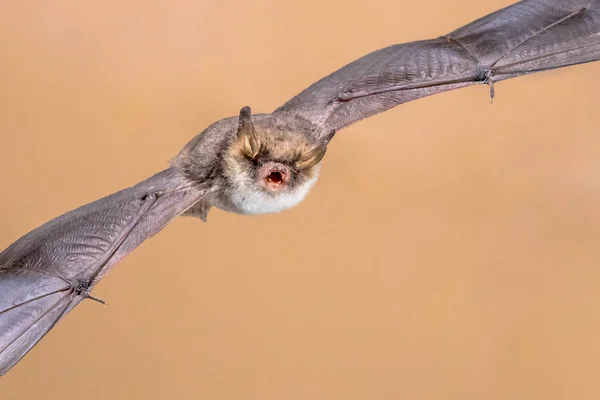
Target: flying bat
264	163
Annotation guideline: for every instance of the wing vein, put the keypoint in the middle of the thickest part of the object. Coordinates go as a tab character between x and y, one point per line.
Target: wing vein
33	299
463	47
535	34
148	202
35	322
36	270
507	66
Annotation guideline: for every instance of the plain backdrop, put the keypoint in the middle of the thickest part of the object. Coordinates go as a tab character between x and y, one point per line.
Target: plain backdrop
450	249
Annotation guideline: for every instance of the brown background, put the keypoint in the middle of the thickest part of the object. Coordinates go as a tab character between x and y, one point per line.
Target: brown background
449	251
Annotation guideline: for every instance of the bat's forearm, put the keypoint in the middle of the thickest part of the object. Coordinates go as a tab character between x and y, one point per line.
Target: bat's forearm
163	208
104	231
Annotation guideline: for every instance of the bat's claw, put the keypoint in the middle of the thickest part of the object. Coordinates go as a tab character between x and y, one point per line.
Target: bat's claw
89	296
82	289
485	75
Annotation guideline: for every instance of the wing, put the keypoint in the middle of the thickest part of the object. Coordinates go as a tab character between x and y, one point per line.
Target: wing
527	37
31	303
47	272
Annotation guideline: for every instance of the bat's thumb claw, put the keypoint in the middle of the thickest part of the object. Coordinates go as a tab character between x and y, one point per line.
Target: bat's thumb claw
492	90
89	296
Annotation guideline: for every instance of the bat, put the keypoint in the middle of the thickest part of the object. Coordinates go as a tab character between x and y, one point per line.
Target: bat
253	164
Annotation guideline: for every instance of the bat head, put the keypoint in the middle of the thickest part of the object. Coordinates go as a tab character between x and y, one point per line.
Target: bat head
270	166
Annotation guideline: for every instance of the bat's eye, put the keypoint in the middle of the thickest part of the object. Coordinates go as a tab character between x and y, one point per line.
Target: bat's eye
275	177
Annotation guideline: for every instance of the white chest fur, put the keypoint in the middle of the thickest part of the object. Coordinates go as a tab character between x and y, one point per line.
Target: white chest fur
250	200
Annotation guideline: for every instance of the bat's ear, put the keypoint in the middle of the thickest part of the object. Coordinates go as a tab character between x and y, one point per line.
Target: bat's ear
246	135
311	158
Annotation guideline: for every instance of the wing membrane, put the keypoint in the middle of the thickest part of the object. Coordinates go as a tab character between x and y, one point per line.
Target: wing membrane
50	270
527	37
27	316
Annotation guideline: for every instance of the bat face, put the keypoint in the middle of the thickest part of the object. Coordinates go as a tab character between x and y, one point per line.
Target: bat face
269	167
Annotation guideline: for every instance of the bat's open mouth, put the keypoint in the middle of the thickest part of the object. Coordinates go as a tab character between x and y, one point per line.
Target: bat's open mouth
274	176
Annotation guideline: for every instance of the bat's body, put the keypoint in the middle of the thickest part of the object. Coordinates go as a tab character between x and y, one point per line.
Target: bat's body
268	162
